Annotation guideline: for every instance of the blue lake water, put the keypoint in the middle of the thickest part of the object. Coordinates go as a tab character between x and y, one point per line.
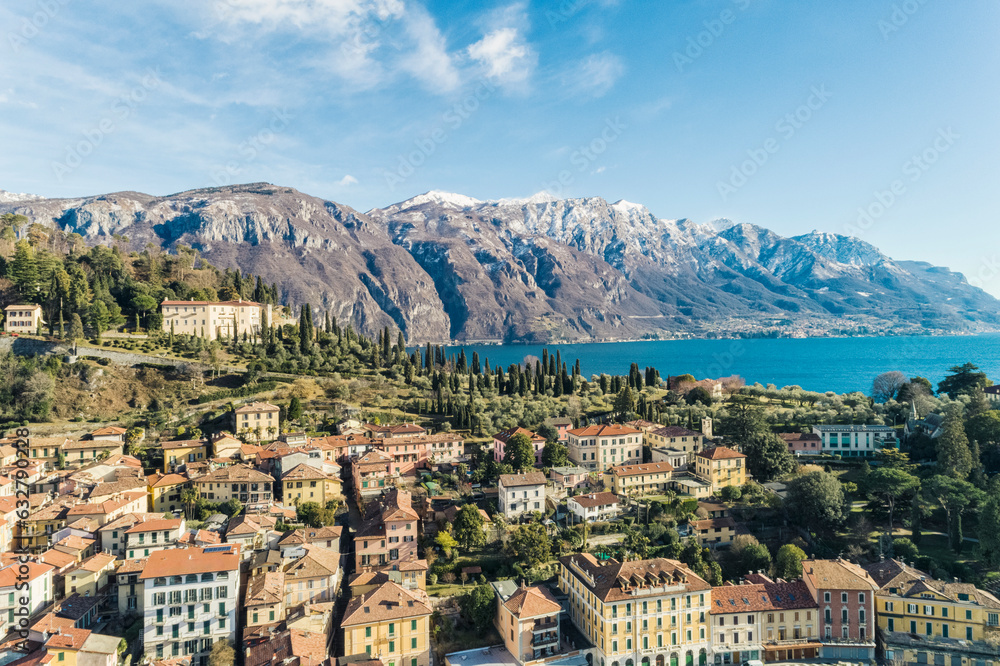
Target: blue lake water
815	364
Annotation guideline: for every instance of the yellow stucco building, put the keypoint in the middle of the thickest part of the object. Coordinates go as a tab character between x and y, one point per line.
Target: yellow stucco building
720	466
642	612
924	620
391	624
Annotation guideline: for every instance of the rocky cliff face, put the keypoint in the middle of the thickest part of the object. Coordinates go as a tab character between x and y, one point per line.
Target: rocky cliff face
442	266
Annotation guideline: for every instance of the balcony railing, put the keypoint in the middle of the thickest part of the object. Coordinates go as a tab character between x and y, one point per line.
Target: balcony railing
545	639
545	625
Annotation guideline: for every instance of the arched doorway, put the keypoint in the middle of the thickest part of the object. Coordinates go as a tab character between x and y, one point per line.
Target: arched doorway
689	658
659	660
645	661
673	659
702	657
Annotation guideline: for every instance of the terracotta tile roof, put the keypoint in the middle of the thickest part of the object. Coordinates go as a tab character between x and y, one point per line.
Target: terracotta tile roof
161	525
530	602
518	480
612	578
180	561
318	562
368	578
255	407
165	480
720	453
243	524
713	523
128	520
237	473
907	581
302	471
107	506
68	639
226	303
15	573
642	469
412	565
183	444
399	429
310	535
837	575
761	597
374	457
86	444
595	499
388	601
505	435
291	647
131	566
204	536
97	562
75	542
604	430
57	558
109	430
799	436
50	623
266	588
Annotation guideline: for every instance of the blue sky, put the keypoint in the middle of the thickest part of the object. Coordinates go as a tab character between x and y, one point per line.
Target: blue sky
788	115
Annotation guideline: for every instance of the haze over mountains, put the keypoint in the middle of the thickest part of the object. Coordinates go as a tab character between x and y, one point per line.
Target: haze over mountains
444	266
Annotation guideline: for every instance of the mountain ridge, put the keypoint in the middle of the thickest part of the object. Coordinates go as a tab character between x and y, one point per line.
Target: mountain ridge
443	266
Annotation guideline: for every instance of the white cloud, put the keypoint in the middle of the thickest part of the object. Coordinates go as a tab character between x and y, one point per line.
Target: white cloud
504	53
347	180
593	76
429	62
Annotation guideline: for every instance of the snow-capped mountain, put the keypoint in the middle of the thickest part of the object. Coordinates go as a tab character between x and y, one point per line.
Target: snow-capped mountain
445	266
10	197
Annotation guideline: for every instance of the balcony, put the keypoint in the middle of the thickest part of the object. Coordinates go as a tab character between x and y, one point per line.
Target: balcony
541	640
547	624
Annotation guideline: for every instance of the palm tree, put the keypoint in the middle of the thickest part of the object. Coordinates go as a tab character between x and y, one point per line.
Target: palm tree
189	497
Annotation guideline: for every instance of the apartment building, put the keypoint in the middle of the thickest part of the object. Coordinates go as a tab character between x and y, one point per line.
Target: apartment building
257	421
190	601
181	452
391	624
239	482
521	493
675	439
527	619
313	577
853	441
641	612
720	466
305	483
845	596
205	319
640	479
388	534
599	447
925	620
264	601
91	576
149	536
764	620
24	588
372	474
165	492
594	506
